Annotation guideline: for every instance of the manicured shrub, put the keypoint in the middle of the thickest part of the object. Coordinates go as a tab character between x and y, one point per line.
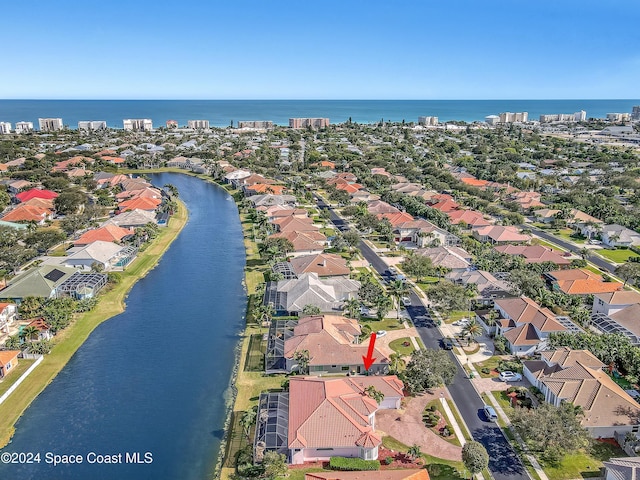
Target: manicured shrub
485	370
347	464
388	460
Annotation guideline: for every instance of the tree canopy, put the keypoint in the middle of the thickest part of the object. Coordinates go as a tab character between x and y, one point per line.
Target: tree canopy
428	368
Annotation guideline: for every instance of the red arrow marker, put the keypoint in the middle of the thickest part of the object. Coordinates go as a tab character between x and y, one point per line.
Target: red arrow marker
368	360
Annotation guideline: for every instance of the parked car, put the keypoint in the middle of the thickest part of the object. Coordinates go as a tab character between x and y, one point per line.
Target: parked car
402	278
447	343
462	322
406	301
381	333
508	376
392	270
364	311
490	413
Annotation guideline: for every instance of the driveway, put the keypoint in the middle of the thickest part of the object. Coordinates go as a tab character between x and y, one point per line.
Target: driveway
407	427
382	343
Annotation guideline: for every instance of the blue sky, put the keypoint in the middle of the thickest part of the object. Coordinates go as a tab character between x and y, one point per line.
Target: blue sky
348	49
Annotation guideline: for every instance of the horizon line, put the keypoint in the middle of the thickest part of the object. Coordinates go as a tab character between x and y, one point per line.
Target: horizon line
321	99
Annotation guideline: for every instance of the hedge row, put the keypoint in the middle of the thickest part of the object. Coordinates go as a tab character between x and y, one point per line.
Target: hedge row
342	463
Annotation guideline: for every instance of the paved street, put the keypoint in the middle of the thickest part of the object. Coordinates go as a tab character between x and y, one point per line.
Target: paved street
504	463
596	260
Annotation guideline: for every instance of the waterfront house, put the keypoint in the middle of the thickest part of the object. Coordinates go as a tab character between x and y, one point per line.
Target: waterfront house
289	297
304	243
323	264
108	233
41	281
44	330
8	361
323	417
132	219
332	343
577	376
100	255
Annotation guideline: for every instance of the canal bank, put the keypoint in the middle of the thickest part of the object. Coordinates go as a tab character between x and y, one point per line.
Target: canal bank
156	377
69	340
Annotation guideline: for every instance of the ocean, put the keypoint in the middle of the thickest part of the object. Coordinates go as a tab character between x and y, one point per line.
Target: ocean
221	113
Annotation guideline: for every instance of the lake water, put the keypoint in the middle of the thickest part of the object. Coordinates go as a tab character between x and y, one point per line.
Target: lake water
155	378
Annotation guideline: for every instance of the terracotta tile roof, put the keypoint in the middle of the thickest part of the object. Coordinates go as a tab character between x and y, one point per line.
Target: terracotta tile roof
395	218
470	217
534	253
499	233
445	205
324	264
330	340
587	286
603	401
349	187
143	203
27	213
40	202
108	233
329	413
304	241
8	355
378	206
525	310
402	474
266	188
523	335
474	182
295	224
40	324
622	297
567	357
4	305
36	193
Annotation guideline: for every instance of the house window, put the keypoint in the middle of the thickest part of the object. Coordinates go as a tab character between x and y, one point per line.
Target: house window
345	369
323	449
8	367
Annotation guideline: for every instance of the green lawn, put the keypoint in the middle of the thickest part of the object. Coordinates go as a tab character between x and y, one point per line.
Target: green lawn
14	375
385	324
490	363
457	315
453	439
439	469
619	255
566	234
584	464
398	347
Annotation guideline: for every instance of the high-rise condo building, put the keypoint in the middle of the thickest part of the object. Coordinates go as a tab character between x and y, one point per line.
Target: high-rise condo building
509	117
138	124
580	116
262	124
90	125
635	113
198	124
50	124
5	127
492	119
618	117
427	120
308	122
24	127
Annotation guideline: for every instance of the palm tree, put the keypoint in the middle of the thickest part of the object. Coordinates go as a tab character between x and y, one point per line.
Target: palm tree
301	357
248	419
414	451
585	253
172	189
472	330
29	332
397	290
352	306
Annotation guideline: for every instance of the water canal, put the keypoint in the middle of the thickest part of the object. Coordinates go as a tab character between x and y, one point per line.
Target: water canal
154	378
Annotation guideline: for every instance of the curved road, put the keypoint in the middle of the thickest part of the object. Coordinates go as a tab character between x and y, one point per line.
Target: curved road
504	463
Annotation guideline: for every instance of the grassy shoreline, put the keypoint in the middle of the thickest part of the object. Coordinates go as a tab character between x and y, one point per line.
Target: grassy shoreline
68	341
